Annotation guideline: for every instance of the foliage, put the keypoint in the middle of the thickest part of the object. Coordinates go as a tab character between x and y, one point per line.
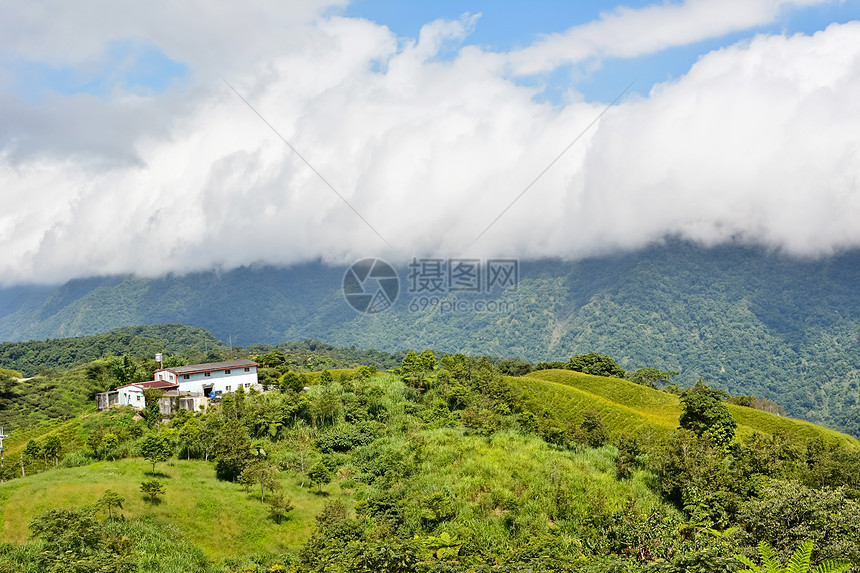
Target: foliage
125	341
652	377
787	514
155	448
319	474
279	506
231	451
799	562
262	474
704	413
152	489
594	363
109	501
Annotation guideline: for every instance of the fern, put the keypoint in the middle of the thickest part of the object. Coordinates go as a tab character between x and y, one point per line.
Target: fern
799	562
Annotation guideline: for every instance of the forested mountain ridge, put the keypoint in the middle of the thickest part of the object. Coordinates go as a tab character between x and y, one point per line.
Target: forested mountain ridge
746	320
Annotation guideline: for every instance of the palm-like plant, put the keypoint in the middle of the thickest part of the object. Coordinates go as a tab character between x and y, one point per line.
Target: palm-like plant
799	562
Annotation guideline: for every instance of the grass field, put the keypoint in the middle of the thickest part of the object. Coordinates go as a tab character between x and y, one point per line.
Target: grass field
631	408
219	517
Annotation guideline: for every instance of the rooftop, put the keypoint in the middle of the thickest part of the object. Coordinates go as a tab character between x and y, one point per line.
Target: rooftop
158	384
227	365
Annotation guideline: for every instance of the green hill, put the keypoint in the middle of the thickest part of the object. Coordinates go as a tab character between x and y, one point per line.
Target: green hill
456	468
58	354
628	408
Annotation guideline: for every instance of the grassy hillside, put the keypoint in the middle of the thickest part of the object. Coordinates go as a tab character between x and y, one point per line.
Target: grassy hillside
219	517
631	408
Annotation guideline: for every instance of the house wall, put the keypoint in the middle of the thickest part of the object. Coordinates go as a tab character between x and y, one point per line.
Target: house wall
220	381
131	396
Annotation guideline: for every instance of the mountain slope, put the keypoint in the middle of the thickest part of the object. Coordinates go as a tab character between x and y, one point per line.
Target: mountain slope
749	321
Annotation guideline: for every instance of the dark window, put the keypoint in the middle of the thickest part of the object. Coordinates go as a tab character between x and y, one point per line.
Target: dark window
206	374
247	369
226	372
186	376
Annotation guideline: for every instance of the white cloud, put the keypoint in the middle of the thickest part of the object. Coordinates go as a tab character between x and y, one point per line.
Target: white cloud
759	140
627	32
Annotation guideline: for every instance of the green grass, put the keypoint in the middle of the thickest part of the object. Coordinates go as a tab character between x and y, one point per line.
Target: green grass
219	517
631	408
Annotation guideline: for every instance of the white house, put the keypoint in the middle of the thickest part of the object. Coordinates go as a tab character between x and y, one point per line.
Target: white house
198	380
213	378
132	394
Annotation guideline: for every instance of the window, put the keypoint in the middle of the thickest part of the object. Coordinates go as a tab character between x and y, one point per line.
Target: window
138	398
186	376
227	389
247	369
247	385
226	372
206	374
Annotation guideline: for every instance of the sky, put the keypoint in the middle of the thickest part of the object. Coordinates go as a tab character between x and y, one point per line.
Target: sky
169	137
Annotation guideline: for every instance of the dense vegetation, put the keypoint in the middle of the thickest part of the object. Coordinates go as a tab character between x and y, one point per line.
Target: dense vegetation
749	321
444	465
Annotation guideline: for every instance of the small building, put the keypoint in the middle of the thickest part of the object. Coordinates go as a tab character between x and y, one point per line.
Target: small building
186	387
132	394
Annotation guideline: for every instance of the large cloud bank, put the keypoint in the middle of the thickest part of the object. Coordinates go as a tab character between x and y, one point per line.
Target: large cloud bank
759	141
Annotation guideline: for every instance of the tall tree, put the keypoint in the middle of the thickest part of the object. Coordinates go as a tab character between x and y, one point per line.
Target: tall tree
232	451
705	413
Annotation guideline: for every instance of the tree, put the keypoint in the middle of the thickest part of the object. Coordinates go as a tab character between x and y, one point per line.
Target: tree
319	474
125	370
272	359
302	439
189	433
799	562
152	489
415	367
110	442
326	377
110	500
594	363
292	381
151	411
155	448
232	451
279	506
51	448
263	474
327	408
652	377
31	452
705	413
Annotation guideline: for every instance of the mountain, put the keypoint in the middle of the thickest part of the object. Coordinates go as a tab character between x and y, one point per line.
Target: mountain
745	319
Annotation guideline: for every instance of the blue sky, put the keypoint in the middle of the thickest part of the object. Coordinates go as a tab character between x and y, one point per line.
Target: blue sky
137	65
506	24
